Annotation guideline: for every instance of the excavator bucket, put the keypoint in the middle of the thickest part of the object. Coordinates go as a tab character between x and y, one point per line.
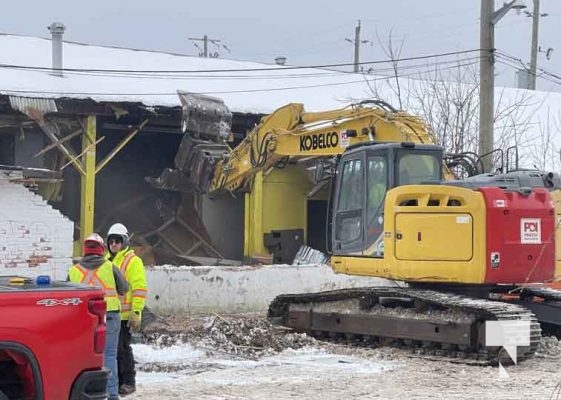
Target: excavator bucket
205	117
206	125
183	239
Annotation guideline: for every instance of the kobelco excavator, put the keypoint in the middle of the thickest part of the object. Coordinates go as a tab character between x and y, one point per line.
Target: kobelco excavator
466	250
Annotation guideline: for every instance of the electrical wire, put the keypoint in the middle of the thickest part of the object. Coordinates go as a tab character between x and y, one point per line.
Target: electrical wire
279	75
319	66
517	62
365	77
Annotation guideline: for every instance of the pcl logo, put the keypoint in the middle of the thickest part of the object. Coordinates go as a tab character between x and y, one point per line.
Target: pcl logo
530	231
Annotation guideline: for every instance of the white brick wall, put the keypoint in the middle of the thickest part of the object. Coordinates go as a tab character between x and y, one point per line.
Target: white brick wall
35	239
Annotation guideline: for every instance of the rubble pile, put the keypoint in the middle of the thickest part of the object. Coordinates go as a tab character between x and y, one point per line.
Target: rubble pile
549	346
246	337
252	337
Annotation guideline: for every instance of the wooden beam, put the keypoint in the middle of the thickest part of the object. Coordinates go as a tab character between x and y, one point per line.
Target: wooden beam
116	150
64	139
68	153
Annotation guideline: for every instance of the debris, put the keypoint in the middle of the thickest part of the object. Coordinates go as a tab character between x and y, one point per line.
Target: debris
308	255
247	337
549	347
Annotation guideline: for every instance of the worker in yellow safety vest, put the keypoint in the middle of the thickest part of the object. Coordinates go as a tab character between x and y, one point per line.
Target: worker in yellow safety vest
132	304
94	270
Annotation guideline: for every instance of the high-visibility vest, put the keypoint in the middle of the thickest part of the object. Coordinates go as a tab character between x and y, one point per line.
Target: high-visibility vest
101	277
132	268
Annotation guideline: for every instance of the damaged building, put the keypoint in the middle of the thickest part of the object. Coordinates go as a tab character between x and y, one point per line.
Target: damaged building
108	123
105	135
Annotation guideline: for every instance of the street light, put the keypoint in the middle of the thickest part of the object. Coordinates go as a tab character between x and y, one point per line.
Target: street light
489	17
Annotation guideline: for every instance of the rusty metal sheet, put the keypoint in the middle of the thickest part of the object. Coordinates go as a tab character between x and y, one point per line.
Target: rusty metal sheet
34	107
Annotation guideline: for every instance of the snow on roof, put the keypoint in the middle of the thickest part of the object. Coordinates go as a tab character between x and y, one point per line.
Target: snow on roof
248	91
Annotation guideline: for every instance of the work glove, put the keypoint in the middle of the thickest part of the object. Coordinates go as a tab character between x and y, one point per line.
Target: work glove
134	322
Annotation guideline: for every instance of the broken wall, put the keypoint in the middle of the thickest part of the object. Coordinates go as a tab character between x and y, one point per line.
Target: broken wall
35	239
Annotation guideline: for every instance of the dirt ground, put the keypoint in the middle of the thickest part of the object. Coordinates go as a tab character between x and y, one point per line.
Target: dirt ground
243	357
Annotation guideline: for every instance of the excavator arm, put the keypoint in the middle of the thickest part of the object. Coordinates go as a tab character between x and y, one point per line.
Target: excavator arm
290	134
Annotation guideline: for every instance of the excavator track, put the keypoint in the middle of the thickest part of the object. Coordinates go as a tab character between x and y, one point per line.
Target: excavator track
545	303
431	323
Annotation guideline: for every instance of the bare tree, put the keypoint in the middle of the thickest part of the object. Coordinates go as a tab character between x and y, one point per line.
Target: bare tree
393	53
544	152
447	98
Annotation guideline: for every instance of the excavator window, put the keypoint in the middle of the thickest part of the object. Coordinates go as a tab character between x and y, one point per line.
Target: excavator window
348	221
415	169
377	183
350	196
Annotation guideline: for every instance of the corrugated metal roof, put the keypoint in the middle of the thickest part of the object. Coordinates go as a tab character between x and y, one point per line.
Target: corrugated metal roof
32	106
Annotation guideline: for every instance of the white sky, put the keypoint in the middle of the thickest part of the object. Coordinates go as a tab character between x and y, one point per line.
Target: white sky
306	32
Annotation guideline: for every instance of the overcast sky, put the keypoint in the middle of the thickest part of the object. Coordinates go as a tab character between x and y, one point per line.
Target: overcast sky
306	32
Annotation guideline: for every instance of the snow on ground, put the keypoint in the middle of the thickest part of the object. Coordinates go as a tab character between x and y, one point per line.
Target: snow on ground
313	374
217	375
189	367
234	358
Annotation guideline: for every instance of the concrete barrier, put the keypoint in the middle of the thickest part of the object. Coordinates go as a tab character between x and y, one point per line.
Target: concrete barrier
198	290
239	289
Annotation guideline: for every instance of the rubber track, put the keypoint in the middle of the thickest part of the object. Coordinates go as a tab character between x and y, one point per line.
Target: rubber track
482	309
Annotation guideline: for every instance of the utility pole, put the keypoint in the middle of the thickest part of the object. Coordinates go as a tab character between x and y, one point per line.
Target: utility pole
486	83
357	42
489	18
534	55
205	39
535	48
357	46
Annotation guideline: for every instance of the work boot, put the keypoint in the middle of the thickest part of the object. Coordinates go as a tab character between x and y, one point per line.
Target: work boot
125	390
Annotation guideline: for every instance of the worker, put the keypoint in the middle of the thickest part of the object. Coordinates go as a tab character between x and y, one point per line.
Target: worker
94	270
132	304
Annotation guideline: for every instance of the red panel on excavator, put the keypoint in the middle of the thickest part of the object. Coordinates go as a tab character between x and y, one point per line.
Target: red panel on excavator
520	236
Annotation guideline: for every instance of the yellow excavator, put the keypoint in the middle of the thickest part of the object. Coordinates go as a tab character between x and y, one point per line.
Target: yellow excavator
466	250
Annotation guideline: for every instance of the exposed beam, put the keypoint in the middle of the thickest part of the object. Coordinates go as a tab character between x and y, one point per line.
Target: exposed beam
118	148
151	128
53	145
86	149
68	153
87	183
15	120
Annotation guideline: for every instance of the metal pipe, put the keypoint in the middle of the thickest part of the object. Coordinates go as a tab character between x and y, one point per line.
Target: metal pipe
57	30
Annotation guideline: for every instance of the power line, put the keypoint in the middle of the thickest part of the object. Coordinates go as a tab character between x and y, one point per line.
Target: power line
319	66
277	75
526	66
270	89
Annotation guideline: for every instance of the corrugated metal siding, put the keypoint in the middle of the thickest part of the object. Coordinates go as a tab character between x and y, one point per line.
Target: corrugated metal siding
32	106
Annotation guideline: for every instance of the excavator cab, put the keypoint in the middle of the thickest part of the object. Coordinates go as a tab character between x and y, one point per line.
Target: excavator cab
365	173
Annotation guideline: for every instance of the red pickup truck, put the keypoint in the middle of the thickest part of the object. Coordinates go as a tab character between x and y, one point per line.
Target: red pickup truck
52	336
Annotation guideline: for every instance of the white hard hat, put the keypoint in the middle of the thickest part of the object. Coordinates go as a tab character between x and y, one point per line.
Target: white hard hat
119	230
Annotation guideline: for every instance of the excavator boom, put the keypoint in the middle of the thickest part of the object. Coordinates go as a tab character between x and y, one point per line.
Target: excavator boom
206	164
